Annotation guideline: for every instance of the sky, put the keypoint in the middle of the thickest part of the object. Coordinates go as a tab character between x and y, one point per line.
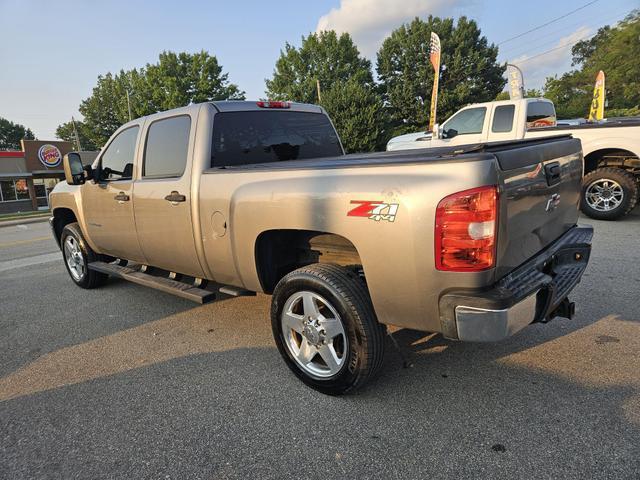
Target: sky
52	52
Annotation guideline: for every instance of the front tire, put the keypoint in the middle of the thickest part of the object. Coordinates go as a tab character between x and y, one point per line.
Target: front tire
325	328
608	193
77	256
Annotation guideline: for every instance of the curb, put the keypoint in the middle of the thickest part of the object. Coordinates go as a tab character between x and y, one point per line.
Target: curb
23	221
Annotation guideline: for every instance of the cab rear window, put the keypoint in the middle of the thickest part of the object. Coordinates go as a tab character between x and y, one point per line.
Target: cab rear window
250	137
541	114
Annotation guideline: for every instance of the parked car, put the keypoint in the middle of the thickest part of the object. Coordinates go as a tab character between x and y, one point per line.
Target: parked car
244	197
611	148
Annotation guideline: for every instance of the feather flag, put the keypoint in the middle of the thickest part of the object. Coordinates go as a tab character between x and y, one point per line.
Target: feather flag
434	56
516	82
597	104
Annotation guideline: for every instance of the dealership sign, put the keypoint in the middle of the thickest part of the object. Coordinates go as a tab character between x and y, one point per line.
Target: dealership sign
49	155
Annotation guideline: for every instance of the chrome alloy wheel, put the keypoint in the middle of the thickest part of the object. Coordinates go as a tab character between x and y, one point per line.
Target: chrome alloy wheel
314	334
73	256
604	195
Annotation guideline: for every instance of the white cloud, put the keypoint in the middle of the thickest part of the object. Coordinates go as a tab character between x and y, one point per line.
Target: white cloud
370	21
557	61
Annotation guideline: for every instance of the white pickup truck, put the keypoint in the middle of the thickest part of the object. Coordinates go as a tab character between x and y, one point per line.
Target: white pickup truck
611	149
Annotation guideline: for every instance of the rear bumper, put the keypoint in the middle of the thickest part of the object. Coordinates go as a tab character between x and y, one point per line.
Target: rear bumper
536	291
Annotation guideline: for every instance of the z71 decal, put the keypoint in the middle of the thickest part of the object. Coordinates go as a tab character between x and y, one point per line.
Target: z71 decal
374	210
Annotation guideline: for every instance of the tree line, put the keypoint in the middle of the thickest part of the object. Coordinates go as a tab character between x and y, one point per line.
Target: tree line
368	110
616	51
11	134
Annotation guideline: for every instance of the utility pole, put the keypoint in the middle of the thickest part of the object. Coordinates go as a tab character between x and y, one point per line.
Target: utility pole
75	133
128	104
318	88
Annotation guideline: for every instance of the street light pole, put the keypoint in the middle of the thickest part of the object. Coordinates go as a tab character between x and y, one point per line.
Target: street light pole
75	132
128	104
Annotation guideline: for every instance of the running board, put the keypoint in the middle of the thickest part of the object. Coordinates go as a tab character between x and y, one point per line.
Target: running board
236	291
180	289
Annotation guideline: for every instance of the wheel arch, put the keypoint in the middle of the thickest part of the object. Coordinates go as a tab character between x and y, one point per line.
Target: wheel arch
279	252
611	157
62	217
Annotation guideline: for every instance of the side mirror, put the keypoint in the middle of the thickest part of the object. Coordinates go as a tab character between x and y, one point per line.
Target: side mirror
452	132
74	172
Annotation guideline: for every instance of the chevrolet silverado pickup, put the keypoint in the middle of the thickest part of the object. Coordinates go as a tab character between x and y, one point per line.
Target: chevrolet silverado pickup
611	148
241	197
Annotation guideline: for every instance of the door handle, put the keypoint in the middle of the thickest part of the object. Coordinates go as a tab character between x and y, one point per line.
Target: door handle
122	197
553	173
175	197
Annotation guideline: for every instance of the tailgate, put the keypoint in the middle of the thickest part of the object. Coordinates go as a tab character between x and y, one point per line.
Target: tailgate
540	189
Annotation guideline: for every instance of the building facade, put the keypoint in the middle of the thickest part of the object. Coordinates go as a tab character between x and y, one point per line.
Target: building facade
28	176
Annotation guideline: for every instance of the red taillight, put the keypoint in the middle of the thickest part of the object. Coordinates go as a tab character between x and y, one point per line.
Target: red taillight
273	104
465	236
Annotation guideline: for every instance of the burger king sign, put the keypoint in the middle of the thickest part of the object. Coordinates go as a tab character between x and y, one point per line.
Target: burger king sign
49	155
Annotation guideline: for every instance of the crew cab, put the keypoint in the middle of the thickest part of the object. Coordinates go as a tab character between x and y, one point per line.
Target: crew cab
611	148
238	197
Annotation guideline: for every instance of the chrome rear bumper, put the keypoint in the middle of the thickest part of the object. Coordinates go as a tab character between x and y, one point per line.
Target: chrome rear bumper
486	325
536	291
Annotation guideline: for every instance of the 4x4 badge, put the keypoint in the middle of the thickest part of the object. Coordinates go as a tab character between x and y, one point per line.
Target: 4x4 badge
374	210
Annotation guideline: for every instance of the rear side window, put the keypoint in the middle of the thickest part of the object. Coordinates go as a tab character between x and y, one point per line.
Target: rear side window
541	114
167	147
467	121
117	160
244	138
503	118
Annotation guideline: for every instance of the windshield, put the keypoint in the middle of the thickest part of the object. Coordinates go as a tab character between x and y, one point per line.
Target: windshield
243	138
467	121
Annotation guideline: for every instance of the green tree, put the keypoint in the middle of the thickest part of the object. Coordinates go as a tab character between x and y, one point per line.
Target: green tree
11	134
176	80
615	50
180	79
65	132
323	56
531	93
357	112
346	81
470	72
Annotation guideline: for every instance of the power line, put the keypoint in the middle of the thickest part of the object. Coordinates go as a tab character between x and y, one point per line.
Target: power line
557	48
518	51
508	52
549	22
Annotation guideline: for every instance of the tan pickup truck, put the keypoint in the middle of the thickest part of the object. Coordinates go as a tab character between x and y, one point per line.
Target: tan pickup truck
473	242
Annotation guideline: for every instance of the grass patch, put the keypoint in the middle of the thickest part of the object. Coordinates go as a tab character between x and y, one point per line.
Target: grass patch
21	215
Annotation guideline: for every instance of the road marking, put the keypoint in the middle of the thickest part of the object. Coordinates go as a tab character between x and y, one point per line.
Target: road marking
24	242
30	261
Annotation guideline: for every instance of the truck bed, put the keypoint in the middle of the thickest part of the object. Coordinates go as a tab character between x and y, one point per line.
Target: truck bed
554	147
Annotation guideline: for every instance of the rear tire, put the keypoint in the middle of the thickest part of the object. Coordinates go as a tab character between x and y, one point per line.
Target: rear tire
608	193
325	308
77	255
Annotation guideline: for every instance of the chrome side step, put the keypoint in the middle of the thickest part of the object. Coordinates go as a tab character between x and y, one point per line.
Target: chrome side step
180	289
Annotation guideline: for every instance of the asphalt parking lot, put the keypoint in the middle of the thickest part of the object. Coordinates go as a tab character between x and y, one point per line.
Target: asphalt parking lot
126	382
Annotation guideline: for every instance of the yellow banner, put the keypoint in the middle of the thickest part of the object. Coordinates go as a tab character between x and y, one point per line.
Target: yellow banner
597	104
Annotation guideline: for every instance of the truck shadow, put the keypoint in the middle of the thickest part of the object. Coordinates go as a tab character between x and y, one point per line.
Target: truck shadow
233	413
